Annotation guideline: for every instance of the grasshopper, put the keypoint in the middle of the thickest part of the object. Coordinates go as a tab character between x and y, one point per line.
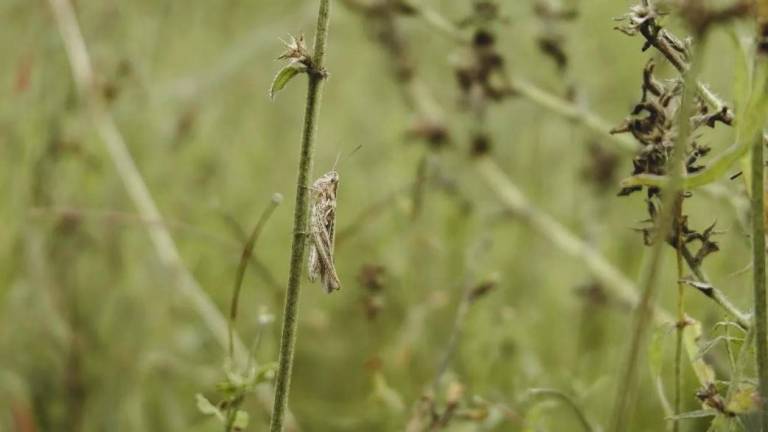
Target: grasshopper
322	228
323	231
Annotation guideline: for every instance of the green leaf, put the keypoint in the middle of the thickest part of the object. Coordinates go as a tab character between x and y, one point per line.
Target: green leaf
704	372
206	407
283	77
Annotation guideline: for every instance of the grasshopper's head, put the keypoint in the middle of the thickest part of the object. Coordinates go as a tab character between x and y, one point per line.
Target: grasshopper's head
332	177
327	182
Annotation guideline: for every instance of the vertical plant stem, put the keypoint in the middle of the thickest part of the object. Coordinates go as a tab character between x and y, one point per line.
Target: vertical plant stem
756	120
681	322
758	266
626	385
301	211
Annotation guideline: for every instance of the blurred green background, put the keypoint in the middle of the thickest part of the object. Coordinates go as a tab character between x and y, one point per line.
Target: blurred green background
95	333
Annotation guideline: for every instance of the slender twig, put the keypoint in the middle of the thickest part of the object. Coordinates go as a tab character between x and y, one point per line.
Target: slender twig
316	78
718	296
681	321
544	393
758	264
758	269
244	259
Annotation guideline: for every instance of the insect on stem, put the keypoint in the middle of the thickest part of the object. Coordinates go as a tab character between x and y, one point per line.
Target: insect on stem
322	231
322	228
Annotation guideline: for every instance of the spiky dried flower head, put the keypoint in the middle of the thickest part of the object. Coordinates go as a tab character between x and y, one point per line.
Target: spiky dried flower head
296	51
653	123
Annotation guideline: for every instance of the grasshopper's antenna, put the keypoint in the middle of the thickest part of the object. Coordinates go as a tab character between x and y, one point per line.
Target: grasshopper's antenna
338	157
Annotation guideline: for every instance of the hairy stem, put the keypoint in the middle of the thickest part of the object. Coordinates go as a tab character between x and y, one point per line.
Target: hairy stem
300	218
756	119
758	269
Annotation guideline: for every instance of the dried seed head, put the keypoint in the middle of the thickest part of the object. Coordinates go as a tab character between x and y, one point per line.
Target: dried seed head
639	17
296	51
653	123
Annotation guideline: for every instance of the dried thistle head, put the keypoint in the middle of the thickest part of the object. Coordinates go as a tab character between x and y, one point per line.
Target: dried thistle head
296	51
640	17
653	123
697	244
643	19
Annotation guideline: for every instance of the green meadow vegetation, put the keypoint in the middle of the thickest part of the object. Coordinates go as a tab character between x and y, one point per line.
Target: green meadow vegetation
383	215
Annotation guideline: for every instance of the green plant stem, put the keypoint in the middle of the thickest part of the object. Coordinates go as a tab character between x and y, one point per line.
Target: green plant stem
758	269
681	322
742	319
245	257
756	120
301	216
626	387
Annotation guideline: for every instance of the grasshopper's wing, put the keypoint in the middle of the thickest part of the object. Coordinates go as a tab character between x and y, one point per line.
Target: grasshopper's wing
330	279
314	262
331	228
